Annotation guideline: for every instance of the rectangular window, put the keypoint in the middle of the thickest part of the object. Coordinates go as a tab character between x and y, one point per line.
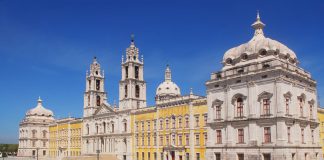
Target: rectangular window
198	156
154	124
288	134
161	140
311	111
312	132
197	121
267	156
148	155
143	156
137	140
155	156
239	104
161	124
167	124
187	122
218	112
44	143
162	158
180	122
266	107
167	140
180	140
173	139
148	125
173	122
154	141
240	156
301	103
302	135
287	105
148	139
240	135
197	139
143	126
187	156
143	139
187	139
205	120
205	138
218	136
44	153
217	156
267	135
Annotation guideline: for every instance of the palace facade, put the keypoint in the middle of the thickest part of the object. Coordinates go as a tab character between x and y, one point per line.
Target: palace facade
261	105
65	138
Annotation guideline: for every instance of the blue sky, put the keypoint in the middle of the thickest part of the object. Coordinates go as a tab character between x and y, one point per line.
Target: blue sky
47	46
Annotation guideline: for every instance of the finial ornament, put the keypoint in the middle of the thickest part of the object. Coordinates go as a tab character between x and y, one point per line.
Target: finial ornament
258	26
39	99
167	75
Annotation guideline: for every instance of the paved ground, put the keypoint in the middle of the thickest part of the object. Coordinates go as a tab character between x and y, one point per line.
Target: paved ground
102	157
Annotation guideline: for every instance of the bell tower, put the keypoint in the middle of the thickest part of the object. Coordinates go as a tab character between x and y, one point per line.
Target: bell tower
132	87
94	93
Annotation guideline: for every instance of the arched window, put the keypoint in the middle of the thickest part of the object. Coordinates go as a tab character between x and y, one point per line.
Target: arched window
97	128
287	102
98	101
136	72
112	127
126	90
97	85
88	100
125	125
126	71
87	128
34	132
137	91
301	101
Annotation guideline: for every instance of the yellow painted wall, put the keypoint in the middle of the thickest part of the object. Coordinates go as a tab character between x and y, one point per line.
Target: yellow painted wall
167	112
320	115
70	144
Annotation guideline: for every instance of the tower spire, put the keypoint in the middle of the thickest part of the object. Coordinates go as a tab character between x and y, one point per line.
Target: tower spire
258	26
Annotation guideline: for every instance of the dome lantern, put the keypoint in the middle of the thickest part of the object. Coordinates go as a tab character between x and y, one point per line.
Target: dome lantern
167	89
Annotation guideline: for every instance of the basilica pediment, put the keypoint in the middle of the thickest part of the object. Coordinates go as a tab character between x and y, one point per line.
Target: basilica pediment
104	109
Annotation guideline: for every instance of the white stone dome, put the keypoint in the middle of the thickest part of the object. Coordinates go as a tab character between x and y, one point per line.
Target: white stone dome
168	88
39	110
258	46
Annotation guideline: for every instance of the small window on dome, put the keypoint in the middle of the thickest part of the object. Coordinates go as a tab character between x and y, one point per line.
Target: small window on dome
275	53
167	88
244	56
159	89
263	53
229	61
96	72
176	88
